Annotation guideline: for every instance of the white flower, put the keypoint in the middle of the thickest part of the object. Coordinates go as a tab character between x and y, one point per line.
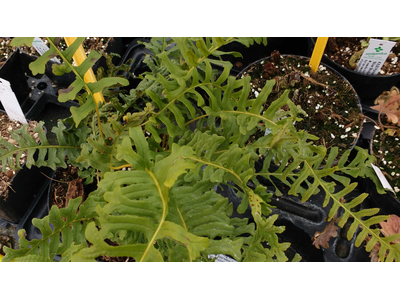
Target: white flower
332	135
347	129
343	136
256	93
396	189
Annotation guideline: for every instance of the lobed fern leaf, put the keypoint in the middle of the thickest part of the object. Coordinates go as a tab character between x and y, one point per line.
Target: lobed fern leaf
61	229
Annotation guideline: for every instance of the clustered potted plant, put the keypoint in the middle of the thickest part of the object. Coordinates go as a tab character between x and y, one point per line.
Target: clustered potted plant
159	152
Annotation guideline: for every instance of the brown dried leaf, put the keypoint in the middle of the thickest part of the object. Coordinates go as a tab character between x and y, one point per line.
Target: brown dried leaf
75	189
390	108
389	104
391	226
322	238
374	254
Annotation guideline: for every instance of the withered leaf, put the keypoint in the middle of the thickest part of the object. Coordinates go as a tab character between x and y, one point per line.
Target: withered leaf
75	189
322	238
390	108
391	226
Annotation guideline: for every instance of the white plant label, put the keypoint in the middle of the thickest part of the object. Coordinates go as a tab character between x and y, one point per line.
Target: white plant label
10	102
41	47
382	178
374	56
221	258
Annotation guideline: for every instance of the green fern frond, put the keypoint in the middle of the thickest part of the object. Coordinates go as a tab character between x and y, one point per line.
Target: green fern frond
203	212
68	228
52	156
87	105
306	176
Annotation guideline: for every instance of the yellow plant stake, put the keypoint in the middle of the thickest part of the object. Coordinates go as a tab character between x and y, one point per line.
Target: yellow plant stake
79	57
89	77
317	53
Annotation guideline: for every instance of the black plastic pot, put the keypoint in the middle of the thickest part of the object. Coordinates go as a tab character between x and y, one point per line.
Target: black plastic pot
302	221
368	87
14	71
25	188
27	185
387	203
328	68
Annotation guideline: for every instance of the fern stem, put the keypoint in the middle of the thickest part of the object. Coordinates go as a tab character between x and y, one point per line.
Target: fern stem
163	216
78	76
46	239
218	166
195	119
359	221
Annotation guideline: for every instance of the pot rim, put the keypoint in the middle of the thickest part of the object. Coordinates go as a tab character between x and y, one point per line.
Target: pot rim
326	66
351	71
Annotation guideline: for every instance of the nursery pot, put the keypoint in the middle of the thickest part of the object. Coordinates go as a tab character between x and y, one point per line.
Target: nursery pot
324	115
23	191
27	185
13	71
303	220
368	87
388	203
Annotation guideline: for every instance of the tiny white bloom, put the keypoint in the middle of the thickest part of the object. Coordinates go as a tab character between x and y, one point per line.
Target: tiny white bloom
332	135
347	129
256	93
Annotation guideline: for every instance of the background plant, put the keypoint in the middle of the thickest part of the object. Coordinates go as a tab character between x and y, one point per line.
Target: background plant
160	151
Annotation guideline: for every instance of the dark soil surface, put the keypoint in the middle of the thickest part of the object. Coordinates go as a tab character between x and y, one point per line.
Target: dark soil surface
332	111
340	49
6	127
66	185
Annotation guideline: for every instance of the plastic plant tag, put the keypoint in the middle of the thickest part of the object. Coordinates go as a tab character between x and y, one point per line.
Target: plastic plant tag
10	102
221	258
386	185
41	47
374	56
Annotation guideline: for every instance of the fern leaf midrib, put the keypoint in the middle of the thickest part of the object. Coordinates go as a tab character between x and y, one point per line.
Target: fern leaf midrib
163	215
211	50
187	90
359	221
218	166
7	154
45	239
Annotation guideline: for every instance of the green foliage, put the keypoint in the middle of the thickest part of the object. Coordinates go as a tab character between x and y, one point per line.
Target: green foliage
161	150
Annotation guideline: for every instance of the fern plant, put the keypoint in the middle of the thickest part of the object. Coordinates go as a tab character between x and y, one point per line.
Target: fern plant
160	151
